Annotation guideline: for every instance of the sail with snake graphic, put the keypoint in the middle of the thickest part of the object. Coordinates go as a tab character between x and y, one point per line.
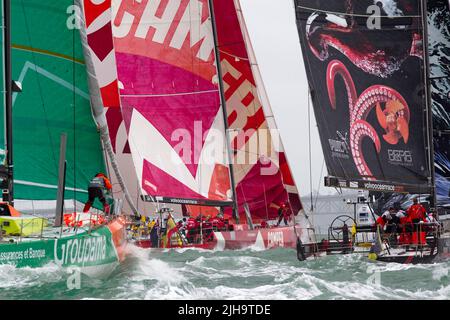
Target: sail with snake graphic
439	56
367	76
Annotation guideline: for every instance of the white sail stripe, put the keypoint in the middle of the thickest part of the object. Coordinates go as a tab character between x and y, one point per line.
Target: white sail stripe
47	186
105	70
99	22
233	56
167	95
31	66
144	138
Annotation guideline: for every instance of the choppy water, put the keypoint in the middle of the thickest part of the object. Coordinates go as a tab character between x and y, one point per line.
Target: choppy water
246	274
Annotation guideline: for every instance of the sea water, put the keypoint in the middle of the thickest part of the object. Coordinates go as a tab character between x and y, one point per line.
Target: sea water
244	274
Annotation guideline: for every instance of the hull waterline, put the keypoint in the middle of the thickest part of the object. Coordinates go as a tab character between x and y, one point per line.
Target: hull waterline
96	253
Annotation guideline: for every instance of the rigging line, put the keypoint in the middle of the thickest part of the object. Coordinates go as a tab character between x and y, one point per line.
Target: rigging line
320	183
310	153
229	44
41	95
355	14
74	115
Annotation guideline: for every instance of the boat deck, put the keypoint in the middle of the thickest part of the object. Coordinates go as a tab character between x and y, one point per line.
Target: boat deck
48	232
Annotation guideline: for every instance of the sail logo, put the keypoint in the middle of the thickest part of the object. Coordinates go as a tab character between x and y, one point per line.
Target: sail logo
165	22
400	157
275	239
339	147
80	251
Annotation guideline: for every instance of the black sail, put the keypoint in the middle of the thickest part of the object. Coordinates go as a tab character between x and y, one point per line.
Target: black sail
367	75
439	57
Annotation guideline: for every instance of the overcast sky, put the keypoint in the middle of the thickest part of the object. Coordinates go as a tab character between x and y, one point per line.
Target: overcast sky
273	31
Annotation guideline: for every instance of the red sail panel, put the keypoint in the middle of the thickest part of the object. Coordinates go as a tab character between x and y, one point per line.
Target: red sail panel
170	99
263	177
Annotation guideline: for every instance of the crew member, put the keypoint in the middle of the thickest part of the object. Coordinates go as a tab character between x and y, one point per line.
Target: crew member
391	220
416	212
381	221
283	213
218	223
97	187
418	215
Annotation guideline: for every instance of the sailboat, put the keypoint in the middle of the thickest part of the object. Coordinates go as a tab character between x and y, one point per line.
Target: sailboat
200	134
57	147
378	82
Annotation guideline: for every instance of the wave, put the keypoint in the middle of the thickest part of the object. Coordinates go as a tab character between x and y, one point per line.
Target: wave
276	274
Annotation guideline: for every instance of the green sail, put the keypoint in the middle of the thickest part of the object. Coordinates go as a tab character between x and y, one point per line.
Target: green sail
2	86
48	60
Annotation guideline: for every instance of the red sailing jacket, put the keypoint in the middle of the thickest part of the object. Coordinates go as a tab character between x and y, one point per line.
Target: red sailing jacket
380	221
417	211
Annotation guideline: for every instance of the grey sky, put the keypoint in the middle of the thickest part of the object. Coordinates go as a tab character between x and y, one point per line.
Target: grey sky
273	31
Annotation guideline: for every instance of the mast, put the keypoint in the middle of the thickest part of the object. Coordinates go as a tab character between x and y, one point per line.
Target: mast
224	109
8	195
428	104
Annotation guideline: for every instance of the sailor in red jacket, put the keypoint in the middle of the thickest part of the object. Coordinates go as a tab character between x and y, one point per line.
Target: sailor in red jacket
417	212
97	187
218	223
381	221
284	213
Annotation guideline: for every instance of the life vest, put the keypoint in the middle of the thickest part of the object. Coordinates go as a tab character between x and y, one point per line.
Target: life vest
70	220
97	182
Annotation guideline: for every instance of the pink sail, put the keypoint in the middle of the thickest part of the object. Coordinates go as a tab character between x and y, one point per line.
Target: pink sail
170	100
97	40
264	181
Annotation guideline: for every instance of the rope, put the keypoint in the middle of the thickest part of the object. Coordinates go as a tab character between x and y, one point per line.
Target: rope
354	14
310	152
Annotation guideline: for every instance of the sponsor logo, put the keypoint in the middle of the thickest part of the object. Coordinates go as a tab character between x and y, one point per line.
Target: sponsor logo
275	239
400	157
339	146
342	183
25	254
379	187
183	201
170	23
80	251
353	184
